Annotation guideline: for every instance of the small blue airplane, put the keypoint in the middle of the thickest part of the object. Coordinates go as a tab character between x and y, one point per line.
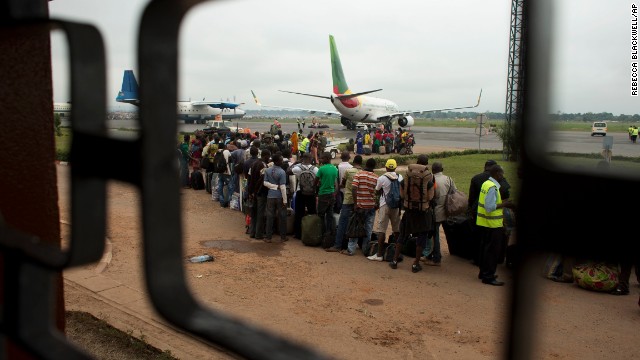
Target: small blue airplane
190	111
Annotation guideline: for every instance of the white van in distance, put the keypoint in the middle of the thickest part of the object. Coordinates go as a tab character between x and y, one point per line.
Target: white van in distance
599	128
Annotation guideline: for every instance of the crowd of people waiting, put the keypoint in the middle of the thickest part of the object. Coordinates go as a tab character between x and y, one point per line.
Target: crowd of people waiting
382	141
264	176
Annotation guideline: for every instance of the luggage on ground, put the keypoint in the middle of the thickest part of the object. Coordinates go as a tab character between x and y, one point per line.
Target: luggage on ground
596	276
461	241
311	230
409	247
197	180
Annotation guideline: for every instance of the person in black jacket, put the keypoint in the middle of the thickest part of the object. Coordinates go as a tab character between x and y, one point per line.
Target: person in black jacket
258	195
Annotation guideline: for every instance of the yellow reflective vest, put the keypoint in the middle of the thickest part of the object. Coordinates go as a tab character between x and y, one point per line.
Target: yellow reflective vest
494	218
302	145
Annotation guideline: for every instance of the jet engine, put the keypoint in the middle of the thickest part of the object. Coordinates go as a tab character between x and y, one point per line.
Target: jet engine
406	121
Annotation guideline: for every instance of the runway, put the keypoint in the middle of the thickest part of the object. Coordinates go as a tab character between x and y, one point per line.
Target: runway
445	137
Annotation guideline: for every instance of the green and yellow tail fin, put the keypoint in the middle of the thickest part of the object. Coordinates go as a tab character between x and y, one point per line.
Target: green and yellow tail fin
339	83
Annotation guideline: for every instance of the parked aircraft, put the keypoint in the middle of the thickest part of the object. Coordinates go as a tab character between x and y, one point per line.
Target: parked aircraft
63	109
356	107
189	111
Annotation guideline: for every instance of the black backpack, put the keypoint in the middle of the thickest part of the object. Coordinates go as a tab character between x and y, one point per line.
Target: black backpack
219	162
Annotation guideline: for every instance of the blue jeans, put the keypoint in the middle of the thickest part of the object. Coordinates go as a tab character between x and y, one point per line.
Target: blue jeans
353	242
224	180
343	221
432	250
234	184
276	211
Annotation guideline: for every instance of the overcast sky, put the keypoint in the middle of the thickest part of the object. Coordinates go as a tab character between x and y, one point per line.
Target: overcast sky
423	54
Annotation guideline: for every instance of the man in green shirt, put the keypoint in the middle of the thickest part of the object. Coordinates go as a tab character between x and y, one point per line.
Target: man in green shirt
327	185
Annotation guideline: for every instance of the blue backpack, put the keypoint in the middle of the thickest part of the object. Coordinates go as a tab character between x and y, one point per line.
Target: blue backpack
392	198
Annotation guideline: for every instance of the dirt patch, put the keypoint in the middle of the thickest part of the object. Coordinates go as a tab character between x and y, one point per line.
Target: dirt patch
105	342
347	306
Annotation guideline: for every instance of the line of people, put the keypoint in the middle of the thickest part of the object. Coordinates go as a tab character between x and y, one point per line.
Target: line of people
382	141
267	180
268	199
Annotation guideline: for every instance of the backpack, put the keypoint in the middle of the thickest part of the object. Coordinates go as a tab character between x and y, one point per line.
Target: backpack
323	142
219	162
417	192
392	198
307	180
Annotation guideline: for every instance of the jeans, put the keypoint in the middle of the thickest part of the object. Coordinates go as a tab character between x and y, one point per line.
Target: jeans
234	184
353	242
275	209
432	249
224	180
343	221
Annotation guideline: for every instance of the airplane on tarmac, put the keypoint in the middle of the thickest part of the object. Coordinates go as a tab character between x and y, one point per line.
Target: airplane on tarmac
189	111
63	109
356	107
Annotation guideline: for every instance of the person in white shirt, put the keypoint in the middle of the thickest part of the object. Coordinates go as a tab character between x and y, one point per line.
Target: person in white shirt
305	199
343	166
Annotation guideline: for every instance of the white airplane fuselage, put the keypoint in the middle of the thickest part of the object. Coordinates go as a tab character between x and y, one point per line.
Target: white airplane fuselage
355	107
188	112
63	109
365	109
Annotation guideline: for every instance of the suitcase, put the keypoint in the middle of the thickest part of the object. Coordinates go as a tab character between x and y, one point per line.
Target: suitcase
461	241
197	180
311	230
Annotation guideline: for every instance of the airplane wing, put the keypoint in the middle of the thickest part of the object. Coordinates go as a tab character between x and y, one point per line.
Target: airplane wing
311	111
417	112
217	104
